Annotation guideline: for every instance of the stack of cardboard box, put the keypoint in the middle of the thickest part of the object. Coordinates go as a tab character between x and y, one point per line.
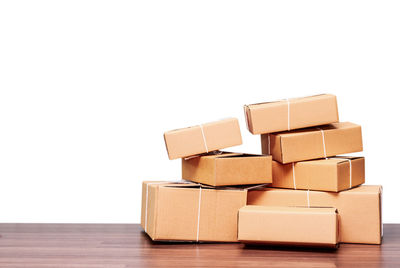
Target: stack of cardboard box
313	196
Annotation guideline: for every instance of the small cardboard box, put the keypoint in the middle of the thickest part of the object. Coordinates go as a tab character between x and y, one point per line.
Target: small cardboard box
313	143
291	114
203	138
227	168
333	174
190	212
360	209
300	226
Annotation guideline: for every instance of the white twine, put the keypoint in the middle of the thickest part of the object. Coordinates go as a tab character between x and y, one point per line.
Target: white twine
351	182
294	177
198	216
323	141
204	137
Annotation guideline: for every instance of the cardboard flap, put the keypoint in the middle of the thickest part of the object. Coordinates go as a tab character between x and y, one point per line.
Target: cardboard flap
221	154
284	100
248	187
190	185
334	159
238	155
212	153
346	158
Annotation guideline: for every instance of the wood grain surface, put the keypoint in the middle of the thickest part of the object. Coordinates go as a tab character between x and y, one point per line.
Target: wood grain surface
126	245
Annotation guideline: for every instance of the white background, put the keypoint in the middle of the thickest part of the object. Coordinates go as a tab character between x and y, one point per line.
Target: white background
89	87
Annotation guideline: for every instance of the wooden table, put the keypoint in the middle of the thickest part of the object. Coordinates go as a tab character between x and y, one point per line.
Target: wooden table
125	245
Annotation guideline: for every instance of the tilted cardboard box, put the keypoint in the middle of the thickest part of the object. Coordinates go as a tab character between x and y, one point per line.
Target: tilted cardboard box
302	226
291	114
313	143
203	138
188	212
228	169
359	208
333	174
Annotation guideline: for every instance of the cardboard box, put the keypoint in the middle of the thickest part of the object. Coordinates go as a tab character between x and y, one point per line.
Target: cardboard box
203	138
333	174
188	212
300	226
227	168
313	143
269	117
359	208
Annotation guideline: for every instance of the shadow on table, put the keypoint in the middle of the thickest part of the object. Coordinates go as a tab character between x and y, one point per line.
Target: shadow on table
289	248
147	239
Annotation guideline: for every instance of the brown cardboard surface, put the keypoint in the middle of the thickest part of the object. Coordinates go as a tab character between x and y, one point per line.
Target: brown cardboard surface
203	138
228	169
333	174
307	144
186	212
304	112
289	225
359	208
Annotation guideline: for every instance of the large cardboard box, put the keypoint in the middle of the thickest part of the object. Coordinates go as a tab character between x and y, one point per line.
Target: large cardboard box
190	212
291	114
302	226
227	168
359	208
203	138
313	143
333	174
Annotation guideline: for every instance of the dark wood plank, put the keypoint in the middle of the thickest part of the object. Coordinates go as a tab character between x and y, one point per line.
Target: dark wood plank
125	245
